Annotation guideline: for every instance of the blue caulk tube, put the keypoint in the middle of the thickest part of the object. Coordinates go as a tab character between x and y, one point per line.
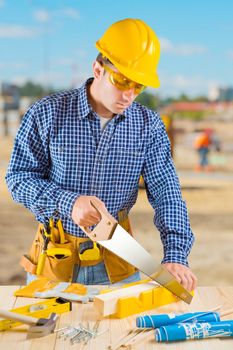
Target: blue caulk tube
185	331
156	321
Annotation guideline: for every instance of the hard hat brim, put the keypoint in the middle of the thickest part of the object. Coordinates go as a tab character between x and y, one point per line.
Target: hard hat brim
140	78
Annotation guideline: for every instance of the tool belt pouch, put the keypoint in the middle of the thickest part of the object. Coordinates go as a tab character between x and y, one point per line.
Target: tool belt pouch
117	268
56	269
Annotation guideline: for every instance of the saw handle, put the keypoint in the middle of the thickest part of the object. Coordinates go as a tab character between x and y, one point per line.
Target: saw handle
104	229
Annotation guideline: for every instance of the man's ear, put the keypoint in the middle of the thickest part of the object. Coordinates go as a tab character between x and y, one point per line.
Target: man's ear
98	70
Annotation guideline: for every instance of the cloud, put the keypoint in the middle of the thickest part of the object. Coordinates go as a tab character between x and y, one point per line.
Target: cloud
19	79
63	62
230	54
13	65
81	53
71	12
42	15
74	60
54	78
17	31
174	85
181	49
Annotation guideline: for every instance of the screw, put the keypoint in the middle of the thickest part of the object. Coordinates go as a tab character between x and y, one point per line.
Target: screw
89	331
76	336
66	331
102	332
60	329
70	334
96	326
79	338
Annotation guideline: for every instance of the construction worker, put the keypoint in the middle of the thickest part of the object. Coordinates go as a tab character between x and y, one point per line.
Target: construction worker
95	142
203	143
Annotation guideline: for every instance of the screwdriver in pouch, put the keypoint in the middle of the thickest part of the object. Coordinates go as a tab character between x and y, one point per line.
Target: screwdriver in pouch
46	234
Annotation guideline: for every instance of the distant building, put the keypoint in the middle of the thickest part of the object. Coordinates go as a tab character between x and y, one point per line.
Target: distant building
187	106
221	94
225	94
10	96
220	110
213	93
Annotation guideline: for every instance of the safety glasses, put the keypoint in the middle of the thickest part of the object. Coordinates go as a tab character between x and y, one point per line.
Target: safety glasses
121	82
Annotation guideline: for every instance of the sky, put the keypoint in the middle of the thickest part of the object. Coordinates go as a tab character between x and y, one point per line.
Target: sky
53	42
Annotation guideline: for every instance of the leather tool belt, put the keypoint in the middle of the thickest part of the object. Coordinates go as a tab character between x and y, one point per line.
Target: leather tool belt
60	267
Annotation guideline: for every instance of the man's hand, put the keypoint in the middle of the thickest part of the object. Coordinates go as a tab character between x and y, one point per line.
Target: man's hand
182	274
83	212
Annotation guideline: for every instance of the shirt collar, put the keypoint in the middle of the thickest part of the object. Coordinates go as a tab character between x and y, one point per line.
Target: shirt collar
84	107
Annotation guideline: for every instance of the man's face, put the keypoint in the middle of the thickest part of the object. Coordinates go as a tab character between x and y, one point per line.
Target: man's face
113	98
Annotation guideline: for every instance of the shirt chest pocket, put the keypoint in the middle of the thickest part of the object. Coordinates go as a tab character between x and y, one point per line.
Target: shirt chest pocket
128	167
65	154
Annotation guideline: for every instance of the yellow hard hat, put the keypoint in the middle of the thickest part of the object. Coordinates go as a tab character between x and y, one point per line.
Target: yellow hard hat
134	49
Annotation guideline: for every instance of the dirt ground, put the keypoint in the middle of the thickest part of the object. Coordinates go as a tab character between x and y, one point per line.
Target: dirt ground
208	197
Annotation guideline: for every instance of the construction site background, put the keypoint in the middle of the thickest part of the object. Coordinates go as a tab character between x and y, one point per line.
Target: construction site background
208	196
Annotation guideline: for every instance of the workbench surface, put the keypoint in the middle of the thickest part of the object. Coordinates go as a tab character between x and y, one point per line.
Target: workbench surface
205	298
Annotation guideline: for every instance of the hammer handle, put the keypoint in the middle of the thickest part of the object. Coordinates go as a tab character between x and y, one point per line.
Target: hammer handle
18	317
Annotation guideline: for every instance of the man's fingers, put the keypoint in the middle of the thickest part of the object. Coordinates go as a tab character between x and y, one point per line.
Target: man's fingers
89	220
85	210
183	280
177	277
188	281
183	275
194	281
93	214
101	206
94	200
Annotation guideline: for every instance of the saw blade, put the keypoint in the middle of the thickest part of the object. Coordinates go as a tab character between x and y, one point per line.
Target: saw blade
126	247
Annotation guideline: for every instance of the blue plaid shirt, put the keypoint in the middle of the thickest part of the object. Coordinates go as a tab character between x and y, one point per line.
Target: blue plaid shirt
60	153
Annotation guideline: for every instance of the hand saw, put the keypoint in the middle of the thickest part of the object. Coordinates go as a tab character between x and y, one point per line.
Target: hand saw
112	236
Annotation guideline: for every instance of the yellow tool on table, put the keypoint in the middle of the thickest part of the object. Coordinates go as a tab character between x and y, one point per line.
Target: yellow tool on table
132	298
42	309
146	300
44	288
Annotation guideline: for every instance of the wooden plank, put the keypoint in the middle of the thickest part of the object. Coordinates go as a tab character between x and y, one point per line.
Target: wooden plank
7	299
205	298
85	314
7	302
